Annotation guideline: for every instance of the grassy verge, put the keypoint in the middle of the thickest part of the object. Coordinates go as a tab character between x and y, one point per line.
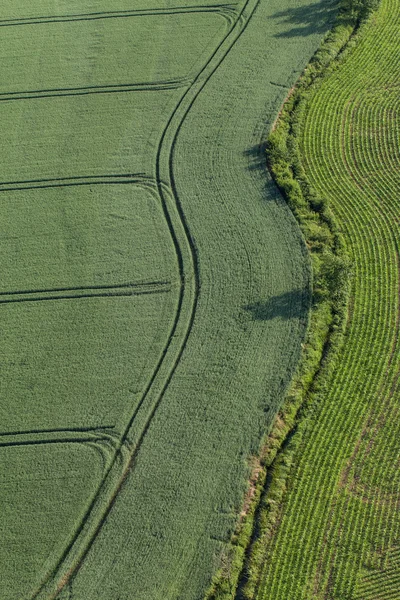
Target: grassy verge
239	574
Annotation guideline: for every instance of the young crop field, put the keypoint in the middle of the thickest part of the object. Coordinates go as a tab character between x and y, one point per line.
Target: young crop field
338	534
154	289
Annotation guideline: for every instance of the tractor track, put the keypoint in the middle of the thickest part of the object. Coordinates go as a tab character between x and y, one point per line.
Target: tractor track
70	561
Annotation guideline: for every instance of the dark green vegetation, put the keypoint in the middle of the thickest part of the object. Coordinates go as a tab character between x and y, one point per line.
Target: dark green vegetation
154	290
337	534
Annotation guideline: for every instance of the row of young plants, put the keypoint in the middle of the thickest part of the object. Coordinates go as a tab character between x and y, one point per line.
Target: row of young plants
341	510
239	576
349	149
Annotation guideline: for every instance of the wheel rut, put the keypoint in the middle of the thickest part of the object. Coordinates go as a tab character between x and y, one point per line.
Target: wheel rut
189	275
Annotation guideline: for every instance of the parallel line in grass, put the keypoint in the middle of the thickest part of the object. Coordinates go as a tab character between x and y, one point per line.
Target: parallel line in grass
55	430
134	176
145	12
66	440
241	23
110	294
82	435
131	285
105	179
146	86
166	148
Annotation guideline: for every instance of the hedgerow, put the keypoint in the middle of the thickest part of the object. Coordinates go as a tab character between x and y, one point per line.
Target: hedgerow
331	267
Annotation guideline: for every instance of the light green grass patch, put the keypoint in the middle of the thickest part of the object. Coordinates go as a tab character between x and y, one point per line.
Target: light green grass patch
98	134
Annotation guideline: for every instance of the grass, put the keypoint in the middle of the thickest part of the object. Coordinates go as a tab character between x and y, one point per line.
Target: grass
42	492
239	576
156	286
336	534
61	65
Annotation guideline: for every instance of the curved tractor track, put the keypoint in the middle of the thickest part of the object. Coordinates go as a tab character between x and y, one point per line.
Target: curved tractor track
127	447
129	444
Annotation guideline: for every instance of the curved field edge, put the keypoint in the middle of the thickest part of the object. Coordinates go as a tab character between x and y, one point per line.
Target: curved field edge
241	566
335	50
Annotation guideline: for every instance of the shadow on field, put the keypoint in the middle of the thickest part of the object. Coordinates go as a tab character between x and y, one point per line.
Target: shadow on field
257	157
305	20
289	305
257	161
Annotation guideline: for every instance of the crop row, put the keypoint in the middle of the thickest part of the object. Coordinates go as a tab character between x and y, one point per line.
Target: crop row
341	511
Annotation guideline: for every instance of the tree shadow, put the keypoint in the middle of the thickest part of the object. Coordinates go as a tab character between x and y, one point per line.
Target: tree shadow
289	305
257	162
314	18
257	157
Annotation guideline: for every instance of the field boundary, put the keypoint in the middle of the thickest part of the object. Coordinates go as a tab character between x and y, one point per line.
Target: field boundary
240	575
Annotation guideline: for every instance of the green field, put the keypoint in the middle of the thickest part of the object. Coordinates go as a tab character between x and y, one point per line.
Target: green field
155	286
338	532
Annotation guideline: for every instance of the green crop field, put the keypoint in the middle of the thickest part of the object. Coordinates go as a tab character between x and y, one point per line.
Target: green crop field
338	534
154	288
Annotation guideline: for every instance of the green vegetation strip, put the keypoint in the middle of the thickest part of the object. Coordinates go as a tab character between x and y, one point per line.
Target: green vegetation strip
239	574
336	535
